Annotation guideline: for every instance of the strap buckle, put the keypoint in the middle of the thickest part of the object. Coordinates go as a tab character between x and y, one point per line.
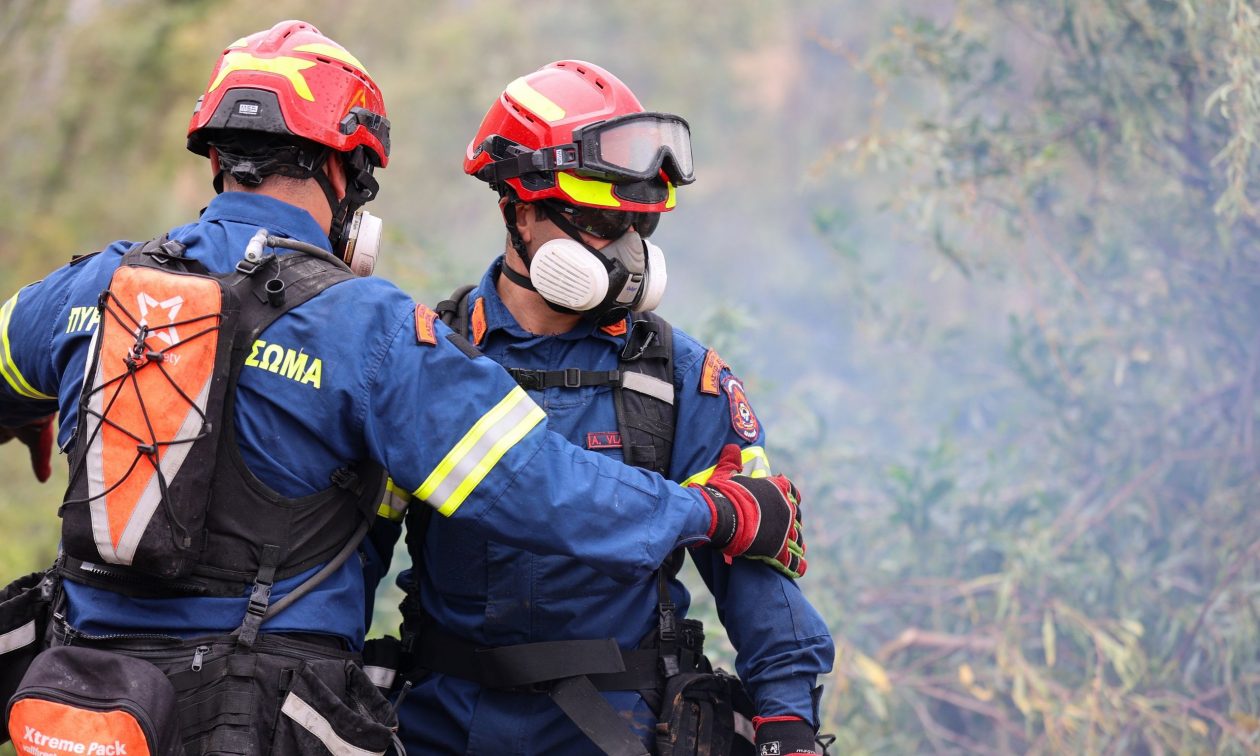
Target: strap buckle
530	380
572	377
259	598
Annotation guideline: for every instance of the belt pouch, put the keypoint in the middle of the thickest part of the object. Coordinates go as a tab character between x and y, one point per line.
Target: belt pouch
91	702
704	712
24	606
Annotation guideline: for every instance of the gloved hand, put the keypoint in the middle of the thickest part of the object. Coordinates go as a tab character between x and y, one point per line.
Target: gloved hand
784	736
37	435
754	517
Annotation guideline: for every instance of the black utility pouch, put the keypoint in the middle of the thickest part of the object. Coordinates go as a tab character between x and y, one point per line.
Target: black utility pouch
89	701
332	707
24	608
704	713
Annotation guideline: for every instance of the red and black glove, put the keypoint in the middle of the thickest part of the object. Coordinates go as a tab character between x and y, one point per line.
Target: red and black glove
37	435
784	736
755	517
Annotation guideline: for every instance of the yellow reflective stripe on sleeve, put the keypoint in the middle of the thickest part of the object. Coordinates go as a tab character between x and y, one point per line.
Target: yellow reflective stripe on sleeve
394	506
8	368
756	465
481	448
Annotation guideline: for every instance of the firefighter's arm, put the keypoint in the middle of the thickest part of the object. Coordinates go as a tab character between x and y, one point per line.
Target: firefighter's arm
28	399
782	643
457	432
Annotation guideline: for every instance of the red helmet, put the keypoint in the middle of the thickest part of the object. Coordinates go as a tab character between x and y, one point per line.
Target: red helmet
293	81
573	132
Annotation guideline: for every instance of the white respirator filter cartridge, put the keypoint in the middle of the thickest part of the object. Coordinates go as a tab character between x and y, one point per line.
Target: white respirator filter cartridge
363	243
566	274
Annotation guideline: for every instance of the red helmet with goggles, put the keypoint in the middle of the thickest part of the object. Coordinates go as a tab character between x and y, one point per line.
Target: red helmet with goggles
292	81
574	133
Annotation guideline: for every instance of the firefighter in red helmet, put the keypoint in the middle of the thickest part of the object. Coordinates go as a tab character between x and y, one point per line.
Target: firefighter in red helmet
232	396
522	653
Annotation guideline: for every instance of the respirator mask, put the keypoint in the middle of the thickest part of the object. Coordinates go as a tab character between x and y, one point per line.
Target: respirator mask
573	277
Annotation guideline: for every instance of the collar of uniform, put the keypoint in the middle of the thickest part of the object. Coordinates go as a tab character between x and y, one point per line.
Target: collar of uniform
278	217
500	318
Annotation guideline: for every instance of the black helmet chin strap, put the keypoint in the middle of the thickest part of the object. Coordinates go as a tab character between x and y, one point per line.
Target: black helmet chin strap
361	186
514	236
518	244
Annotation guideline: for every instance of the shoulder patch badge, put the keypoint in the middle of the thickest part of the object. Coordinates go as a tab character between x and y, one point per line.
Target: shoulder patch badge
479	320
743	419
425	331
710	373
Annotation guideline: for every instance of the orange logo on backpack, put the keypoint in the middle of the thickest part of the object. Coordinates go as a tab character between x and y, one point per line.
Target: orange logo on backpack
47	728
158	339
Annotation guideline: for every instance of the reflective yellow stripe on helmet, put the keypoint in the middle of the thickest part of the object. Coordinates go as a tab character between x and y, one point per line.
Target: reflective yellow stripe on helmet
756	465
9	368
394	506
587	191
481	448
286	66
534	101
331	51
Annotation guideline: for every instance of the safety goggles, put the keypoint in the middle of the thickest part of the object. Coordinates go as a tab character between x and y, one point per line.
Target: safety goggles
605	224
637	147
634	147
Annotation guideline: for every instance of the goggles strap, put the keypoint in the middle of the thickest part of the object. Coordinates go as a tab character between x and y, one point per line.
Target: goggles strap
561	158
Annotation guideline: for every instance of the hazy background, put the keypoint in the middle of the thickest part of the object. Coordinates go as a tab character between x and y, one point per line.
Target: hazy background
989	269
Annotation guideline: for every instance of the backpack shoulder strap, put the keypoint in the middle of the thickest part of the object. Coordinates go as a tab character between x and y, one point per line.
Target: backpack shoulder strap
454	310
645	399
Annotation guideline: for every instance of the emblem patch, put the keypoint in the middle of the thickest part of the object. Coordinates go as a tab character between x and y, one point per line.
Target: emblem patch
603	440
710	373
743	419
425	332
479	321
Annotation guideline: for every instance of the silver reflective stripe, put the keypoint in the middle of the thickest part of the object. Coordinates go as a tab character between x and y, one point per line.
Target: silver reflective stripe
480	449
646	384
314	723
20	638
756	465
381	677
172	459
744	728
96	465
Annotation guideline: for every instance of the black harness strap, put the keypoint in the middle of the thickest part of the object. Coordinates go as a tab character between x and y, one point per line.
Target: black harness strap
578	698
537	380
537	666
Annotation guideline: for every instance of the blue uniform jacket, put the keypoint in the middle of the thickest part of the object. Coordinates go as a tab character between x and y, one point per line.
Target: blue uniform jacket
494	593
452	430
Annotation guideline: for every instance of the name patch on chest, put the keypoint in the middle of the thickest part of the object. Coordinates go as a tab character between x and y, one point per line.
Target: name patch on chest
603	440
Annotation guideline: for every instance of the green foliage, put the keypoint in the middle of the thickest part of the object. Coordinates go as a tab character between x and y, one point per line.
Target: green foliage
1078	569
